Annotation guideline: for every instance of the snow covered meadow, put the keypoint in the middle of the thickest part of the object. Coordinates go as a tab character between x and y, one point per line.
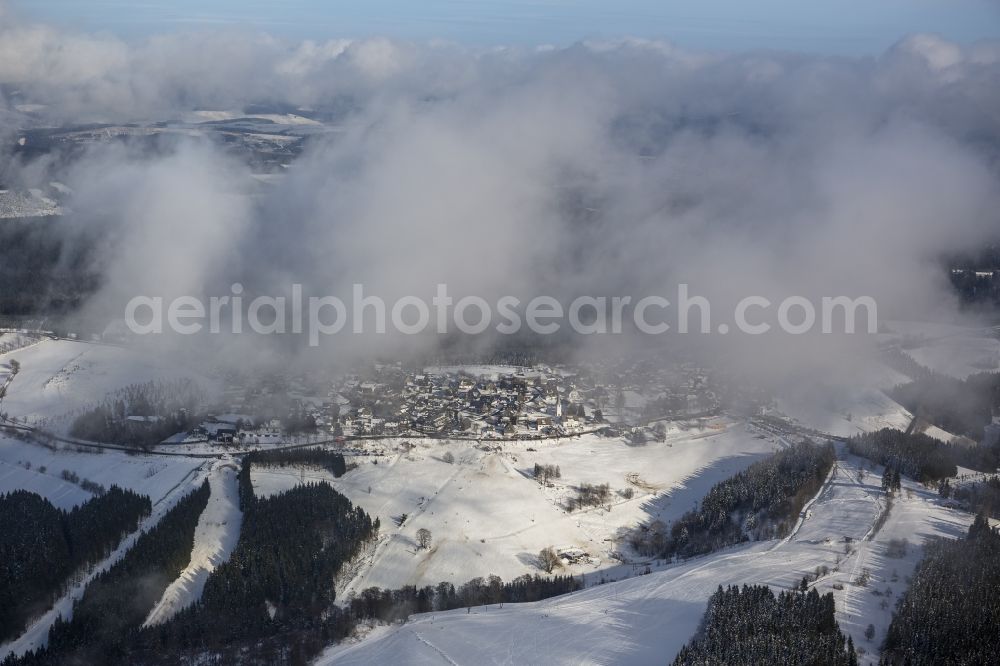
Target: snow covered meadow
488	515
648	618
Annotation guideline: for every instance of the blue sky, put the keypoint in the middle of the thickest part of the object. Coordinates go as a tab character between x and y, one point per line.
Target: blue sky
825	26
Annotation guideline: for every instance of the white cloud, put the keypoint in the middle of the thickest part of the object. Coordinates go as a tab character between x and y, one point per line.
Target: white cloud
603	168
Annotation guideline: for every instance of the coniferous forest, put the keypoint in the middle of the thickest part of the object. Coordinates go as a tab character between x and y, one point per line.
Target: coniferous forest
750	625
317	457
762	502
916	455
109	615
41	547
951	612
920	456
273	600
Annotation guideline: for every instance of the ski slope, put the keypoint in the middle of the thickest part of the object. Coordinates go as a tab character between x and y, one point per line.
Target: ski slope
647	619
215	537
918	514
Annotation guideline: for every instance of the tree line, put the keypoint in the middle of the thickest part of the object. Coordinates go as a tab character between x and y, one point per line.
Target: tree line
316	457
951	613
750	625
41	547
397	605
544	473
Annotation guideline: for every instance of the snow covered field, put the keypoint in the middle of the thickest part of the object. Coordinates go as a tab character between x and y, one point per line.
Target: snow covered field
59	377
959	356
950	349
39	469
647	619
488	516
274	480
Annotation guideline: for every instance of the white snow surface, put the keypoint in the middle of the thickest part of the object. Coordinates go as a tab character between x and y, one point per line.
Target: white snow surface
59	377
276	118
951	349
647	619
215	537
959	356
488	516
155	476
273	479
845	413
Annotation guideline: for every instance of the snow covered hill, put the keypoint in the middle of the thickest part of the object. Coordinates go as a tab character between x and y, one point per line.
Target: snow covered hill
647	619
487	515
58	377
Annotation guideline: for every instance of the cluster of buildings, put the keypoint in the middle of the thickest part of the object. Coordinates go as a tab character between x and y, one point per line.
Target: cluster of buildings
489	402
27	203
514	404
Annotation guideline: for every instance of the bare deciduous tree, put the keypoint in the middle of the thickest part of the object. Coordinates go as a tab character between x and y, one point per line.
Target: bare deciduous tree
548	559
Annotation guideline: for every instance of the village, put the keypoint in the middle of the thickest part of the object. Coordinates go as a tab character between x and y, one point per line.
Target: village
483	403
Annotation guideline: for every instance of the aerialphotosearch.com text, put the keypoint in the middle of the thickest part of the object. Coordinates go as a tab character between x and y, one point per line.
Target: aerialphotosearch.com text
320	316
